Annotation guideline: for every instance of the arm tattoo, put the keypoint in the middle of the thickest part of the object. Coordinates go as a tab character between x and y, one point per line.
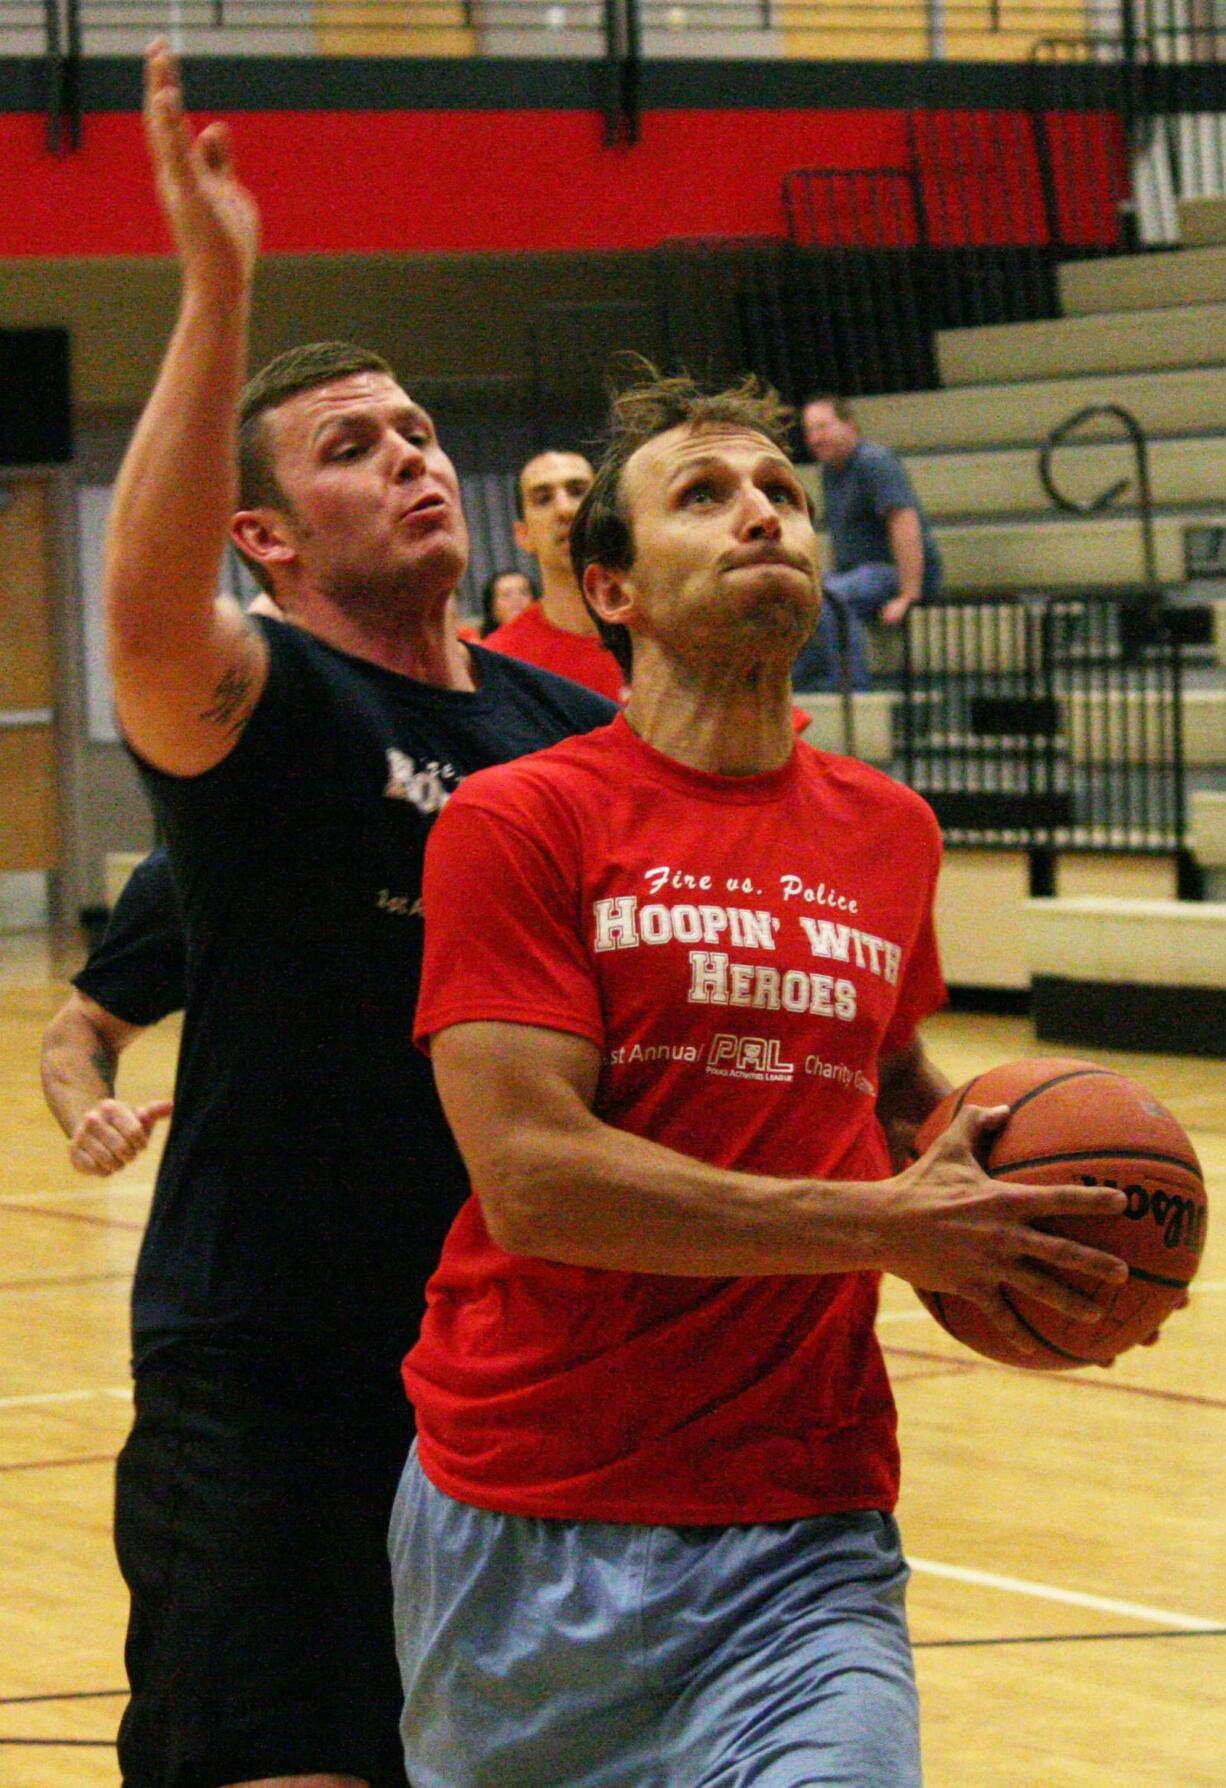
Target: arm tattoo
230	708
103	1062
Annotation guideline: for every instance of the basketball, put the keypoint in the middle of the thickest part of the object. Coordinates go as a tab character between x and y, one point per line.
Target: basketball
1074	1122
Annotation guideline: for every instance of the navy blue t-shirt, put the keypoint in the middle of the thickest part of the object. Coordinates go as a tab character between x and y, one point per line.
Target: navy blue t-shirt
135	970
309	1176
859	496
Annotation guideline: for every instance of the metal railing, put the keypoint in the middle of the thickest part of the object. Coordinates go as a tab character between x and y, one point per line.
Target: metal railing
1140	481
1047	723
899	28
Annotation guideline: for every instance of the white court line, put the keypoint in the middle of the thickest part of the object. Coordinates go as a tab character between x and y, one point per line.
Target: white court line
1198	1288
34	1397
128	1189
1018	1586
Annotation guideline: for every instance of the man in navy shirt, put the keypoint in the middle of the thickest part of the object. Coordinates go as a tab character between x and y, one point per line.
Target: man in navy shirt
885	558
296	767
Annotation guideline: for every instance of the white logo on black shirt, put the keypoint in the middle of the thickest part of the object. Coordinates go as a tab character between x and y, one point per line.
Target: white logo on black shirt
424	787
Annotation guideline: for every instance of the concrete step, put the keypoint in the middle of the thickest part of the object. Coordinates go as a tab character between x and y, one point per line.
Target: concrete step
999	481
995	762
1117	341
1004	639
976	880
1091	552
1143	281
1207	827
1144	975
1126	726
1178	942
1072	838
1202	221
873	717
1184	401
993	643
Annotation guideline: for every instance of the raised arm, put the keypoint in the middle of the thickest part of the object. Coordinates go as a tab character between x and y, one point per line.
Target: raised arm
81	1050
555	1181
187	668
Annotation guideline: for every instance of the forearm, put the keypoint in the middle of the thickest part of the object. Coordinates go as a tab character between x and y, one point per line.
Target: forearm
590	1195
557	1182
907	549
78	1071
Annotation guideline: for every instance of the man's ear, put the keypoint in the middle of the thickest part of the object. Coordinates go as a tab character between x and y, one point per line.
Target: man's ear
519	528
610	593
263	536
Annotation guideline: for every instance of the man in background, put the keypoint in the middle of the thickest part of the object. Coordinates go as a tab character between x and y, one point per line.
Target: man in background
133	978
504	596
557	632
885	558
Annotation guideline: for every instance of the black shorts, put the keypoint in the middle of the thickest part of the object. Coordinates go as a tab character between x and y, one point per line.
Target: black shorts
252	1535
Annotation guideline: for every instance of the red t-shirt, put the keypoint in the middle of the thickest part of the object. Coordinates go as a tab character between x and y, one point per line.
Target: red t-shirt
579	656
742	951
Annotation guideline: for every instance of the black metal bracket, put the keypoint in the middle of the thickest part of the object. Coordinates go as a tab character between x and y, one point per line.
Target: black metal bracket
64	97
623	39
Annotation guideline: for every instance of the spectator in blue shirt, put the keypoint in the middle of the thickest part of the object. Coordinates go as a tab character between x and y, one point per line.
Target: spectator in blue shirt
885	558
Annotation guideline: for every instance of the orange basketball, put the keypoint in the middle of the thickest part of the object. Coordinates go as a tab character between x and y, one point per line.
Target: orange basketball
1075	1123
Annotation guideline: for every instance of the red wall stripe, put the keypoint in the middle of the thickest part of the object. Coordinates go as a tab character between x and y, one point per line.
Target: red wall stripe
464	181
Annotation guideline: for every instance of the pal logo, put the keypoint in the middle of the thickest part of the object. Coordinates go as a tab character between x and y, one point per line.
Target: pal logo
747	1058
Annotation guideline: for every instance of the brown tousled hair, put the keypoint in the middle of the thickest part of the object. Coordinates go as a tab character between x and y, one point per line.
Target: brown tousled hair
602	533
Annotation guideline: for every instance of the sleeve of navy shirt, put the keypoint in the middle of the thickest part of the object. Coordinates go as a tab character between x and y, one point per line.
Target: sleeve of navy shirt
135	971
887	475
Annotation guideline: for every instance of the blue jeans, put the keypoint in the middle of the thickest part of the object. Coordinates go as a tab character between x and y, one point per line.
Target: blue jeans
586	1654
862	592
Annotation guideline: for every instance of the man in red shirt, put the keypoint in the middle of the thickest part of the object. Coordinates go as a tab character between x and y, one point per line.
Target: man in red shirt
557	632
674	973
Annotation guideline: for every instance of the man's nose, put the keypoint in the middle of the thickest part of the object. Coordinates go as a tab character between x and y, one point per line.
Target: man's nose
760	516
410	458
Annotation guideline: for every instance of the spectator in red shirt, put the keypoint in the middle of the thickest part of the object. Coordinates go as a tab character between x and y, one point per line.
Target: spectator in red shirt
557	632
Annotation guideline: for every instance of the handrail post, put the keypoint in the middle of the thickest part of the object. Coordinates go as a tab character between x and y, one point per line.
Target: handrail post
73	72
631	71
1062	433
63	74
623	46
55	75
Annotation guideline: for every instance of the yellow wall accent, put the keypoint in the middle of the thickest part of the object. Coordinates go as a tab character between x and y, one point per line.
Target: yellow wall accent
394	28
861	30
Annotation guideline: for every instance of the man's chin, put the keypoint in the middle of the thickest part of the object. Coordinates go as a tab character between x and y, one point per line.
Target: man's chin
403	589
785	601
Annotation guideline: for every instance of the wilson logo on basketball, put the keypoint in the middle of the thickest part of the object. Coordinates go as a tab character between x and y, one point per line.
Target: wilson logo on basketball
1071	1120
1182	1221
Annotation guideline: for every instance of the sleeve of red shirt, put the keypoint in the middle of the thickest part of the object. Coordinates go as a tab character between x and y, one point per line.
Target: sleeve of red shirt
922	990
503	939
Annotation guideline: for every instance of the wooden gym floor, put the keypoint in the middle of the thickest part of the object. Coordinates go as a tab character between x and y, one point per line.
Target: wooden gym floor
1067	1532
